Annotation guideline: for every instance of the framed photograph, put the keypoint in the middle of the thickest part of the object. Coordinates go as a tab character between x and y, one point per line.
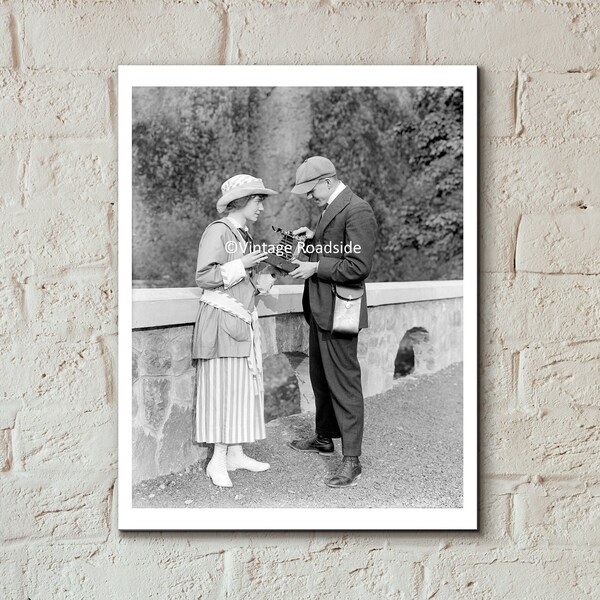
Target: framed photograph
297	298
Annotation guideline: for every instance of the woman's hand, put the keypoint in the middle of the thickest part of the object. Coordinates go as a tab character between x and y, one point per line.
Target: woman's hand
254	258
304	231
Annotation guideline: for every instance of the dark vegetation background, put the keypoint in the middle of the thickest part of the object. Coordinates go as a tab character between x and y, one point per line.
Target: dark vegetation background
398	148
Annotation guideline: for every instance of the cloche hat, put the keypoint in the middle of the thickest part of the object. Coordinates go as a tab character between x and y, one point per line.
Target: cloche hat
239	186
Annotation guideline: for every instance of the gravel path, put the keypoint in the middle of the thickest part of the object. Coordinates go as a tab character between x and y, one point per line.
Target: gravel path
412	458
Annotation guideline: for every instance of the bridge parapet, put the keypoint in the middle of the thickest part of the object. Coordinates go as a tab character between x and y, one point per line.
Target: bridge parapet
426	316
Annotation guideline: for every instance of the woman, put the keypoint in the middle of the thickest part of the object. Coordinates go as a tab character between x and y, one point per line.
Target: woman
229	390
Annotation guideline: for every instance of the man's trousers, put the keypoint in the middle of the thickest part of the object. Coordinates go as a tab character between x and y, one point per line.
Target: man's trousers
335	378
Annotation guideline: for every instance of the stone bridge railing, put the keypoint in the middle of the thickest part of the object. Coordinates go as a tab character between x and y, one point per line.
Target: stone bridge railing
414	328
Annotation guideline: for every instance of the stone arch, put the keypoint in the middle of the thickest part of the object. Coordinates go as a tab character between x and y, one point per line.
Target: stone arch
414	353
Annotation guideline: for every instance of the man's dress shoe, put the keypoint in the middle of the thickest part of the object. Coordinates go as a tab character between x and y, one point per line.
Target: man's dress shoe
322	445
347	474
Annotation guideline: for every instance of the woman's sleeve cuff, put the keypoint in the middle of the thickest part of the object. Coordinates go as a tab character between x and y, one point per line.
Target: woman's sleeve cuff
232	272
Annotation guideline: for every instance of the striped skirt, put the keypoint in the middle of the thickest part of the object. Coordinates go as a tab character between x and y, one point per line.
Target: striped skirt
229	407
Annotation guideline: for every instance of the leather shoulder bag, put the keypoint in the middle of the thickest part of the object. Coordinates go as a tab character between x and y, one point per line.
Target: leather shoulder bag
346	308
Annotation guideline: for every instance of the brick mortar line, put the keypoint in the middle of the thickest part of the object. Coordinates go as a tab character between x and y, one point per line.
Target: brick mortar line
515	244
112	105
61	138
521	79
554	273
221	7
53	138
520	143
27	70
486	272
515	379
15	36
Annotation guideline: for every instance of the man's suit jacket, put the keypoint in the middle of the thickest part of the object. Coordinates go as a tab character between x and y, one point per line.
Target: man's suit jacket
347	220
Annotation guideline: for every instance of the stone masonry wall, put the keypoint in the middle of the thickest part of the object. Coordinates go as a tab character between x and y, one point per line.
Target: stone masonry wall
164	377
539	294
163	394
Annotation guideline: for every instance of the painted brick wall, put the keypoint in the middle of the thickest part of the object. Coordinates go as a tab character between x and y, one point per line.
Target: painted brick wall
540	354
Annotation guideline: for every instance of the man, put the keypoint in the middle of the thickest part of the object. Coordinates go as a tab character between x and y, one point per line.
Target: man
343	245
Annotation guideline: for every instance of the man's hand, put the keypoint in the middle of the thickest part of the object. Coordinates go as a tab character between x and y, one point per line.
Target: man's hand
304	231
304	270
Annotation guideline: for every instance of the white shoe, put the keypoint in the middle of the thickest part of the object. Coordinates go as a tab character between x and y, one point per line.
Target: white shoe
236	459
217	471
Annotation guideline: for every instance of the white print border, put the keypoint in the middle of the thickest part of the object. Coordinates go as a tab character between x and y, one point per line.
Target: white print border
380	519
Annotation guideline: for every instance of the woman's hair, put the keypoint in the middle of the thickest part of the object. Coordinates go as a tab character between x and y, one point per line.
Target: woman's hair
241	202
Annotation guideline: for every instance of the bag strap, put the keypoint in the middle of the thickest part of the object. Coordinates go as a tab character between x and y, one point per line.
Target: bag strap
348	292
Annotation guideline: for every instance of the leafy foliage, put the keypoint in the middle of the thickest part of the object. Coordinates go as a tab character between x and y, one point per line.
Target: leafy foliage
404	155
399	148
180	161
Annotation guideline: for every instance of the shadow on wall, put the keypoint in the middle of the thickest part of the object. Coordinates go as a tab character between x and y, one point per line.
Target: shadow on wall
282	388
415	353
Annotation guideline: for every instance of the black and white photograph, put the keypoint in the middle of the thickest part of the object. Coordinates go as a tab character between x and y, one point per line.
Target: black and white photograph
297	298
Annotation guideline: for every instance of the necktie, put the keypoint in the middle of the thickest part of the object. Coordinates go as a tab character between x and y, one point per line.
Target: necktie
245	235
319	221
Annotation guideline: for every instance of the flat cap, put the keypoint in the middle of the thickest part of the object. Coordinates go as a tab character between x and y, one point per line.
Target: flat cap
309	173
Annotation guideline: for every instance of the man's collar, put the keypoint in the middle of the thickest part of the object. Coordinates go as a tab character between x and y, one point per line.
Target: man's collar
338	190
